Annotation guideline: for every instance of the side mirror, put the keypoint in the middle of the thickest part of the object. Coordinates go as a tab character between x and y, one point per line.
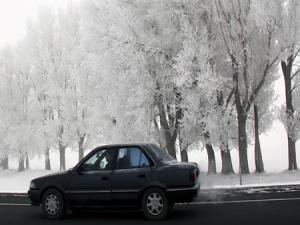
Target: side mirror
84	167
79	170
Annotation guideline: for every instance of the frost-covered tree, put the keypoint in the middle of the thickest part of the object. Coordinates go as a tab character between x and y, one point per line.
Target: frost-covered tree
52	82
20	136
180	73
82	93
5	58
249	31
122	86
40	38
196	81
296	96
149	31
223	108
263	116
66	65
289	41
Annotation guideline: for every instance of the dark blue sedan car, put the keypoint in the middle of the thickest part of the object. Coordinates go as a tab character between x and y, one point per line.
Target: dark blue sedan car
129	175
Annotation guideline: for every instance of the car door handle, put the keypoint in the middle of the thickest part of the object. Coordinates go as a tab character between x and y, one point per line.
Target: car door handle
142	175
104	178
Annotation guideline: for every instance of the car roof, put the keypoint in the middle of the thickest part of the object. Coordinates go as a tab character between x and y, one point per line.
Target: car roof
123	145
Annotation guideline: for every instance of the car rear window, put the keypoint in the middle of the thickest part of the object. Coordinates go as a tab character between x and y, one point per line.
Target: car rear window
131	157
159	153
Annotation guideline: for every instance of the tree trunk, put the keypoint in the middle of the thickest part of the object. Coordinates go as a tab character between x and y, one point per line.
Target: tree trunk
210	152
242	140
21	164
292	154
259	165
170	123
183	152
184	155
225	152
27	162
241	111
287	74
171	145
183	147
211	159
4	163
80	147
47	159
62	156
226	160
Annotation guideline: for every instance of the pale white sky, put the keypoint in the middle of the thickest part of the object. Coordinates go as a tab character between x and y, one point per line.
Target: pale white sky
13	17
15	13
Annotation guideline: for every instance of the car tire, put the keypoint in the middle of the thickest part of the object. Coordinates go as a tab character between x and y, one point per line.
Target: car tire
155	204
53	204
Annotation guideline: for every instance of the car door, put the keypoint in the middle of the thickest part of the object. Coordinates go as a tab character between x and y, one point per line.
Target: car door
90	183
131	175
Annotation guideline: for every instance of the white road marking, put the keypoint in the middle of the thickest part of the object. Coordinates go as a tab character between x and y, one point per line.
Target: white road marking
241	201
195	203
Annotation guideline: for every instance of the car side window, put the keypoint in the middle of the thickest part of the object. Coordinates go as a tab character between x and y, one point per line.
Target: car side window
132	157
100	160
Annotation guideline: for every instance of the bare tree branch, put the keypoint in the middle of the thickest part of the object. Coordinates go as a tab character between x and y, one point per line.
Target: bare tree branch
295	74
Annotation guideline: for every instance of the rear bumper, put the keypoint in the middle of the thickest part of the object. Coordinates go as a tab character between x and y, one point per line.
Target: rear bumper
34	196
183	194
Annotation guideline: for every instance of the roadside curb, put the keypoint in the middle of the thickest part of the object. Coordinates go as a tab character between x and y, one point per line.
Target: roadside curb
243	188
249	193
8	194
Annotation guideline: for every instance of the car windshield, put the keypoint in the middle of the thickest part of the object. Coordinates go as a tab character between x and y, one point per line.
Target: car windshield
160	154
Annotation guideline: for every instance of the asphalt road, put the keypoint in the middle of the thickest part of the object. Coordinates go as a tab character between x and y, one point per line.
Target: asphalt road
276	205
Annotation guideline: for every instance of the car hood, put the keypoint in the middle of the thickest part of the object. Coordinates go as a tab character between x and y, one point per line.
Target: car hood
59	179
52	175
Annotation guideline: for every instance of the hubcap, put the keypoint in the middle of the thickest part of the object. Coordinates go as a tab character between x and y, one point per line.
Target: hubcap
155	204
52	204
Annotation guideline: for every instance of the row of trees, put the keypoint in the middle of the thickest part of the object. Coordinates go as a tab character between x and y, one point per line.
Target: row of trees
183	74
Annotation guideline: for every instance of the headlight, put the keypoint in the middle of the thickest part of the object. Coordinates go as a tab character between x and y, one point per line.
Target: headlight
32	185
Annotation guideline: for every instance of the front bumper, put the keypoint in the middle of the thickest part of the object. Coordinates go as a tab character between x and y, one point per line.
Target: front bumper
35	196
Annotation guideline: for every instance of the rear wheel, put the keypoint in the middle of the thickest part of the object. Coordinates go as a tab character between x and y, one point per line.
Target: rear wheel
53	204
155	204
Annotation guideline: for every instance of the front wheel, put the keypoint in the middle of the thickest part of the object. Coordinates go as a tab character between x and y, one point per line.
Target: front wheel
53	204
155	204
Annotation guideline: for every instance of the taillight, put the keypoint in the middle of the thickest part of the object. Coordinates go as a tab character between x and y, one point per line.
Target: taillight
194	175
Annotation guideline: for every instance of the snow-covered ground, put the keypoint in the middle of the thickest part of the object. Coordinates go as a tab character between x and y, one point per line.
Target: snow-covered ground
250	180
18	182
